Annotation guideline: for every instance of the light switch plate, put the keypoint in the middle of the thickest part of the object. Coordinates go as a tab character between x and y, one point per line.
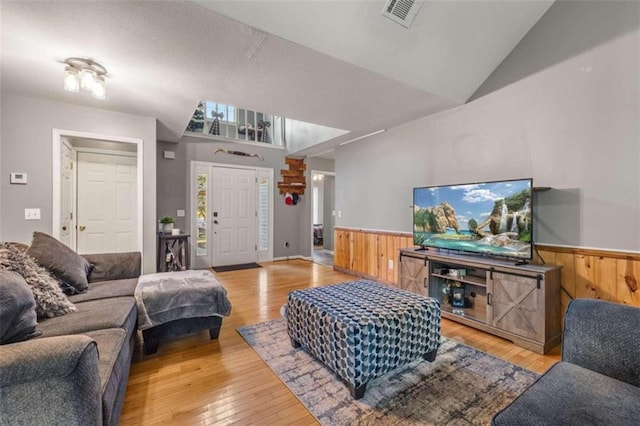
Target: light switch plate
18	178
180	213
169	155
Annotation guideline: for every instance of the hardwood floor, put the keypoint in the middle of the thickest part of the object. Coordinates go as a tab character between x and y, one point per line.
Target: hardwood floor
197	381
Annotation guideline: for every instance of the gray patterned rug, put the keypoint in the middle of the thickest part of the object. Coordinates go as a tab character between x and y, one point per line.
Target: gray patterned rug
463	386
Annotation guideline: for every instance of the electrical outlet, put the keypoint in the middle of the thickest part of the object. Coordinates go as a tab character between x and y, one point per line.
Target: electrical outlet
286	244
390	264
31	214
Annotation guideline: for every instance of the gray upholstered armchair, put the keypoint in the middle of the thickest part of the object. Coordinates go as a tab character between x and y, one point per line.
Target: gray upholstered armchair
598	380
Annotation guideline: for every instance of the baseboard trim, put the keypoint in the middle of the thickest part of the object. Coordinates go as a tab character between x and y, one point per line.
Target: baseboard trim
300	257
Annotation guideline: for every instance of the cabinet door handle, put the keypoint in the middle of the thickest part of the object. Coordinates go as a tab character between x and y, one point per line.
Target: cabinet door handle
426	282
489	299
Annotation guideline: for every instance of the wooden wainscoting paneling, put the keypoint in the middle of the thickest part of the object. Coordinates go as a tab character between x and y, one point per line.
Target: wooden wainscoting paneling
367	253
595	274
588	273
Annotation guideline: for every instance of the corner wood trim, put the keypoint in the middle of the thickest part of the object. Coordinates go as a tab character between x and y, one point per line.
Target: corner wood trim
557	249
373	231
589	252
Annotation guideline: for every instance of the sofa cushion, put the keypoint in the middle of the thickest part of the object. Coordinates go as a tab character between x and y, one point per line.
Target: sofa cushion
114	351
50	300
65	264
571	395
17	309
92	315
107	289
114	266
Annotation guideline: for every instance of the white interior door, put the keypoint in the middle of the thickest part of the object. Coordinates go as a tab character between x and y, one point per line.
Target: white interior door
233	216
66	196
107	200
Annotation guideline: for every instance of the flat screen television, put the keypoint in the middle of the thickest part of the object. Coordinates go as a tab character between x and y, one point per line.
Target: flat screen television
490	218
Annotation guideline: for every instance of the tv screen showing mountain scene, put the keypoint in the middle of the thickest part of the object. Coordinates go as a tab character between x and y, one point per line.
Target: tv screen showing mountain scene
492	218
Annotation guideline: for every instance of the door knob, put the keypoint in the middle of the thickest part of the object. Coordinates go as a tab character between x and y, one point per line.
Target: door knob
82	228
64	228
215	222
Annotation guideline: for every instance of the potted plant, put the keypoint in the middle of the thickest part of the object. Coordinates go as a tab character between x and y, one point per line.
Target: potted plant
167	223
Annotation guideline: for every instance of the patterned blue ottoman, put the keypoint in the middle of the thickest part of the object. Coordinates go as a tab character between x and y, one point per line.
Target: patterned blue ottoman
362	330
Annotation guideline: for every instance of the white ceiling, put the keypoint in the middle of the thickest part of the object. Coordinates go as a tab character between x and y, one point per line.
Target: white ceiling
450	49
360	71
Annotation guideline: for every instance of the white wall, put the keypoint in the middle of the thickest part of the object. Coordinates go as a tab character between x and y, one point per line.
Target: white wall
300	135
573	126
27	125
318	206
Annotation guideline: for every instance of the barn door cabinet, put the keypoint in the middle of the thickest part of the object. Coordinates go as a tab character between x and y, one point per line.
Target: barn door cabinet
520	303
414	274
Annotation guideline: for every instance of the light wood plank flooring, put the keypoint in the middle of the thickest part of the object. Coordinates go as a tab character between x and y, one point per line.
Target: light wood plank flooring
196	381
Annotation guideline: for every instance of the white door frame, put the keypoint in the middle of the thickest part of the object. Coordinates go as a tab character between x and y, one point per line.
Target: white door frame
74	159
57	140
318	172
266	257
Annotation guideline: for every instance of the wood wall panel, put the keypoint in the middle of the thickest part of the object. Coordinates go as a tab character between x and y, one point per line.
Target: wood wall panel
586	273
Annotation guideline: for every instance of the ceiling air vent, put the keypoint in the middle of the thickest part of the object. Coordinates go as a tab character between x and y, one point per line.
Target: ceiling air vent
401	11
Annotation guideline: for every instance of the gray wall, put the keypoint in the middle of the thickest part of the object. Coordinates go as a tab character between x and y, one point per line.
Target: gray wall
572	126
291	223
27	125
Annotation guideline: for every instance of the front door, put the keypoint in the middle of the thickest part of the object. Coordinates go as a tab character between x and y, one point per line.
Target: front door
233	216
107	199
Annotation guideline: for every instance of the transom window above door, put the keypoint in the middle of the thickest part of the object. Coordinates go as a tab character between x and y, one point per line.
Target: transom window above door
214	120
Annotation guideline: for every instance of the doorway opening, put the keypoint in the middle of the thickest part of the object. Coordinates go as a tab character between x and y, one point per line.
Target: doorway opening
97	192
322	216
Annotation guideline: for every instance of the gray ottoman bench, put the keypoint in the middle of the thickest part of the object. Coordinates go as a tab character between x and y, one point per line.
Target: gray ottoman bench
172	304
362	330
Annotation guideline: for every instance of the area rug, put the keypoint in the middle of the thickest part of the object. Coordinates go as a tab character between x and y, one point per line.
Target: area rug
463	386
239	267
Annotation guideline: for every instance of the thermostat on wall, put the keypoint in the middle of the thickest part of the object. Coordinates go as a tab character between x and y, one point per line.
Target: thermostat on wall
19	178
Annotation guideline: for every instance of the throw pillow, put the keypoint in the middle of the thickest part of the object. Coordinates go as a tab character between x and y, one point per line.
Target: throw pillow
63	263
17	309
50	300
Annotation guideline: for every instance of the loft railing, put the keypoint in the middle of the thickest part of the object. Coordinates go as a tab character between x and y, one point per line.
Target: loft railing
226	122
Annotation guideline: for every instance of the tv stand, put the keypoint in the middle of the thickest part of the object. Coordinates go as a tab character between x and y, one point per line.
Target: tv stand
519	302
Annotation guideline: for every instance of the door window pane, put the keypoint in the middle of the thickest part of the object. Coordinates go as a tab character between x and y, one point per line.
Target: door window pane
201	216
263	214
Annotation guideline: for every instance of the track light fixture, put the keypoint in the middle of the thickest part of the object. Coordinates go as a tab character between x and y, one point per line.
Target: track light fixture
86	74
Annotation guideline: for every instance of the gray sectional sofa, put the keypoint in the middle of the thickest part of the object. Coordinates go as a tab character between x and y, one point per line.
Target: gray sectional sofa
598	380
76	371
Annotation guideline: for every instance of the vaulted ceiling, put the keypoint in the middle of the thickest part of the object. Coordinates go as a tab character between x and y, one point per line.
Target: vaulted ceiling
335	63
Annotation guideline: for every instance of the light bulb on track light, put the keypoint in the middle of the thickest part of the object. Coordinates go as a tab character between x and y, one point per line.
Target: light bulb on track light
87	78
98	90
71	80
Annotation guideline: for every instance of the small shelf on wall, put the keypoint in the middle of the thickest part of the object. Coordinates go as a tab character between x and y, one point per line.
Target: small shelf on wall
294	180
